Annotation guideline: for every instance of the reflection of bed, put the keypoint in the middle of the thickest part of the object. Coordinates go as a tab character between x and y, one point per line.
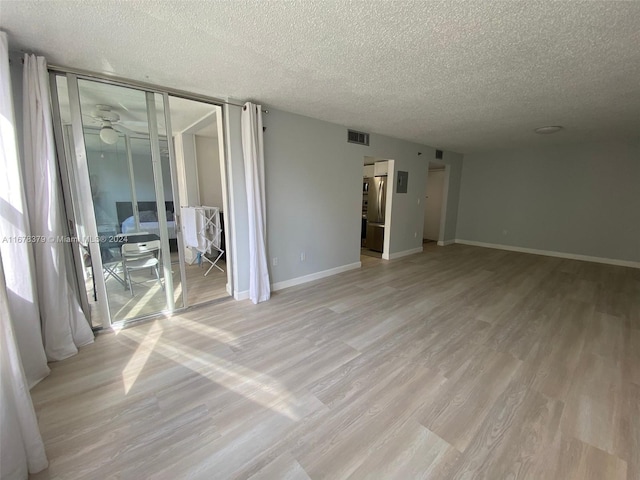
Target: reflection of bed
148	213
129	226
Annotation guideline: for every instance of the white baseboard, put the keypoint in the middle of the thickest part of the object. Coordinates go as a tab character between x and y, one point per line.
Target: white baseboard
313	276
243	295
444	243
404	253
550	253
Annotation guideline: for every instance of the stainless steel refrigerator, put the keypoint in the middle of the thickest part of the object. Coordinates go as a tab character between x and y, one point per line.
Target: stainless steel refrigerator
376	207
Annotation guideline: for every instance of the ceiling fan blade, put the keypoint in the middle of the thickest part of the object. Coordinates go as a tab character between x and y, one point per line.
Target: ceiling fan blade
90	119
123	129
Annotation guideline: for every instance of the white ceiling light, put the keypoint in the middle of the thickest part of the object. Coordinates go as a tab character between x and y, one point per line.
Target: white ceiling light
107	133
106	117
548	129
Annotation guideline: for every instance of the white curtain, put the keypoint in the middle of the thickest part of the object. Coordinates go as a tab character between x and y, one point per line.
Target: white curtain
64	326
21	448
14	226
253	151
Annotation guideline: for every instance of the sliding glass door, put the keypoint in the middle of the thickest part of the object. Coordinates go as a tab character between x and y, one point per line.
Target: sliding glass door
199	151
120	173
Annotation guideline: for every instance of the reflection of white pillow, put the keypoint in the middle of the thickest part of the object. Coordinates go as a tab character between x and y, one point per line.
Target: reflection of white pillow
128	222
148	216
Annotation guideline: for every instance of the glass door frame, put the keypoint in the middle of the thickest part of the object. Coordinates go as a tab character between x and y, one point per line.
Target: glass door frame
71	201
154	139
81	171
87	207
79	166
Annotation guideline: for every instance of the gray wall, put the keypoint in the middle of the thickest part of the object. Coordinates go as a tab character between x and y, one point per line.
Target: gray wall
578	199
209	180
314	193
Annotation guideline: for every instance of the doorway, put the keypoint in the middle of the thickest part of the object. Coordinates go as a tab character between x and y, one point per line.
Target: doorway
378	175
122	196
435	203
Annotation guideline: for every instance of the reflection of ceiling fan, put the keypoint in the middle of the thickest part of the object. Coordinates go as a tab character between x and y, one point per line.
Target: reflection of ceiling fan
109	126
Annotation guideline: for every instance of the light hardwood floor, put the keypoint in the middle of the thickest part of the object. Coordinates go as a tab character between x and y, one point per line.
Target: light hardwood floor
458	363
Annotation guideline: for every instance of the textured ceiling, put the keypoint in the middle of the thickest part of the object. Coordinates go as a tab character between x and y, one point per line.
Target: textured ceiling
464	76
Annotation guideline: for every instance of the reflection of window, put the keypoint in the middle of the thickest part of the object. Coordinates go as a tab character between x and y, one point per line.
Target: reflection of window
102	216
93	181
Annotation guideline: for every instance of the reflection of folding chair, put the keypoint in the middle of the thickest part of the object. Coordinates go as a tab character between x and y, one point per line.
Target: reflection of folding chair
111	262
139	256
111	270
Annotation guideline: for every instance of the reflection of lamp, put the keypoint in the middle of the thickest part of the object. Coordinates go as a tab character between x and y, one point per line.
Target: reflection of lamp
107	133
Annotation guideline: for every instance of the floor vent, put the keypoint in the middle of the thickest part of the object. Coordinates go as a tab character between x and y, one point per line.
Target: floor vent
360	138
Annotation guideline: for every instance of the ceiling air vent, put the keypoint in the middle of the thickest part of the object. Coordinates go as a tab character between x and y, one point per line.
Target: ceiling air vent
438	154
360	138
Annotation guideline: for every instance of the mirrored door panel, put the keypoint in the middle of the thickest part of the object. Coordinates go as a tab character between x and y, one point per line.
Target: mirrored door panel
201	179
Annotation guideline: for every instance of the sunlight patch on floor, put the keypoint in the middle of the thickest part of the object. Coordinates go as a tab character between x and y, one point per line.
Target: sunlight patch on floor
140	303
214	333
255	386
138	360
177	289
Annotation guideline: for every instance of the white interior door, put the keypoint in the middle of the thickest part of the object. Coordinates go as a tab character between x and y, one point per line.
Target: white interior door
433	204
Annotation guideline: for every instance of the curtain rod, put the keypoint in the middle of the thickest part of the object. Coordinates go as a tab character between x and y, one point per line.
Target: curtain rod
125	82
